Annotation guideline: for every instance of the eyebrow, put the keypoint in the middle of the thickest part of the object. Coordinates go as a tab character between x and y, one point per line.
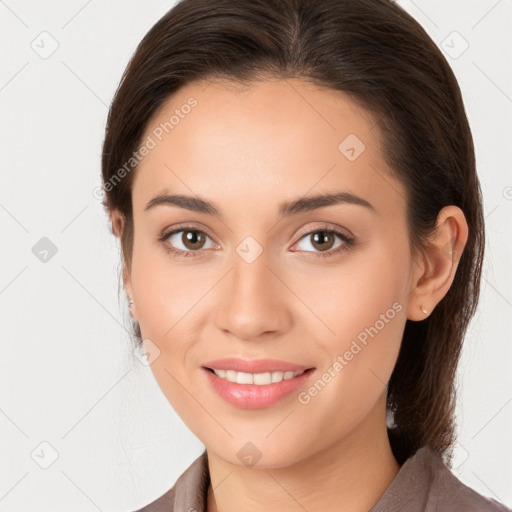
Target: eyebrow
286	209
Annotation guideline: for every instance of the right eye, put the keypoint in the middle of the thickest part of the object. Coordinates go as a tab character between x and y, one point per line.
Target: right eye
192	241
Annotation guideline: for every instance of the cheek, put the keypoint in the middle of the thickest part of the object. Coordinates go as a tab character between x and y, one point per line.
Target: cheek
362	308
171	306
367	289
163	291
168	305
361	357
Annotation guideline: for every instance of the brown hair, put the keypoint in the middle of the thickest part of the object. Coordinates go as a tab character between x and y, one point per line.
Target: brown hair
379	55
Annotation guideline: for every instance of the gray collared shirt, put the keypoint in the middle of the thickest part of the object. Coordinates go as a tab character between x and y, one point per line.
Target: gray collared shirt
423	484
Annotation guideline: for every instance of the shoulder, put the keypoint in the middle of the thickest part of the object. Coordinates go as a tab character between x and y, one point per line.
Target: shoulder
426	484
449	492
189	491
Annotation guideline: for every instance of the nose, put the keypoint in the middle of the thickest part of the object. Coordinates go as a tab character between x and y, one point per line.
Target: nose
253	301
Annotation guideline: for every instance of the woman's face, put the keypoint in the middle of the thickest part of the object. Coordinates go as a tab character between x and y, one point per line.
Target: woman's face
256	281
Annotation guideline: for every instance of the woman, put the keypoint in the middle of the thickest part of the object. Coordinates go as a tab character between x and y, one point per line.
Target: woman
293	183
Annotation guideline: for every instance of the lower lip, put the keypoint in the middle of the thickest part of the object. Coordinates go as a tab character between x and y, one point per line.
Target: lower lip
253	396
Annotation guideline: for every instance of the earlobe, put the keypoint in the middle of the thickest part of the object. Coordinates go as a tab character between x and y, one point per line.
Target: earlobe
441	256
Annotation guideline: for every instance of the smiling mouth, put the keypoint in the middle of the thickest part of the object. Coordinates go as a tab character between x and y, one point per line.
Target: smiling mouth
261	379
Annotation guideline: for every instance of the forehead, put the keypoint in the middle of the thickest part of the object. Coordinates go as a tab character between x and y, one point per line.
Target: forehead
275	138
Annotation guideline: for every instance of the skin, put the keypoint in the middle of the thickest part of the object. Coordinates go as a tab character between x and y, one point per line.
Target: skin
247	149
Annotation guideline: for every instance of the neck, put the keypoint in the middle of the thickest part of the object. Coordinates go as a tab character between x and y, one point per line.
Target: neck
349	475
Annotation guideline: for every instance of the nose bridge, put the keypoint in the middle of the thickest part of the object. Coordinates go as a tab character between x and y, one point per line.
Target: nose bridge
252	303
251	276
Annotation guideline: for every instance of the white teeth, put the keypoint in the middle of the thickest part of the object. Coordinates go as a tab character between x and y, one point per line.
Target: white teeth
259	379
277	376
244	378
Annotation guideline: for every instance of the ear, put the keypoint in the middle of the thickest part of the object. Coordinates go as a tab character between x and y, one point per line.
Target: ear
438	263
117	220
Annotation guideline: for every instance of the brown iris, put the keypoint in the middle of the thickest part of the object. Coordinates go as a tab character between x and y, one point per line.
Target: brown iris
193	240
320	239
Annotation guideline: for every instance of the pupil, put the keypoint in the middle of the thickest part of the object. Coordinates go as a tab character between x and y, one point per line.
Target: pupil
193	238
321	239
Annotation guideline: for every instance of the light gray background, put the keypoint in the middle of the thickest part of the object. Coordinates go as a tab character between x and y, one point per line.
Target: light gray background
68	377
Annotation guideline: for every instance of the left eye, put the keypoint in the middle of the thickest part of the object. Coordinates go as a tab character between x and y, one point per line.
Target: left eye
323	240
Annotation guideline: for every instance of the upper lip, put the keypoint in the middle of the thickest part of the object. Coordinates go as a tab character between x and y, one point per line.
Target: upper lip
255	365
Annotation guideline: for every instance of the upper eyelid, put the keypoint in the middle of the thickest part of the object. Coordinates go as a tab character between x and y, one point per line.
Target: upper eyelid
185	227
326	227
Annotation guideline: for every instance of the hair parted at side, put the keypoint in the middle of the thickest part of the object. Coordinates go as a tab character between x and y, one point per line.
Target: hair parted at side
378	54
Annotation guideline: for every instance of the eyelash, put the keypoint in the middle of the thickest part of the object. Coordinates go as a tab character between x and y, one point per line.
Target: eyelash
348	242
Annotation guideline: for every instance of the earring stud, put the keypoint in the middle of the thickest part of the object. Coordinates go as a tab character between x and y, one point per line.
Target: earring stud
423	310
130	301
